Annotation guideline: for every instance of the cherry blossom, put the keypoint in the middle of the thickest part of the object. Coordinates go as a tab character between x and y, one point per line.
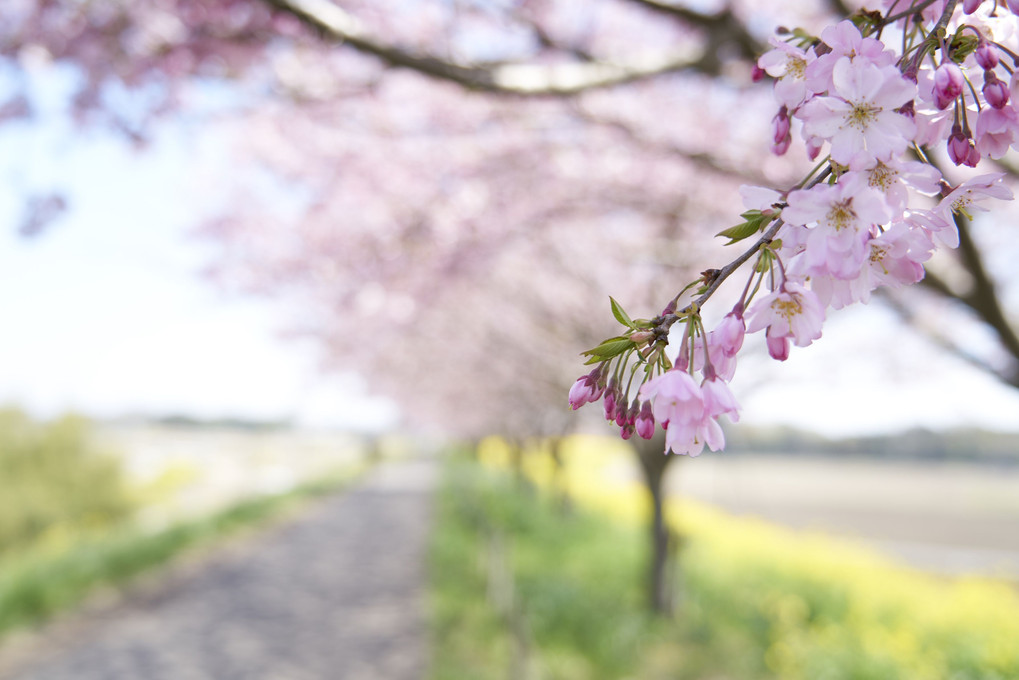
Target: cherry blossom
861	113
845	42
861	220
791	311
788	64
972	194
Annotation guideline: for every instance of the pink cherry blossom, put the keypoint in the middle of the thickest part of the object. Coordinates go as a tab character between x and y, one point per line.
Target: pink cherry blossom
719	400
896	256
846	42
674	397
677	402
788	65
792	310
895	177
942	231
759	198
861	113
729	334
971	194
835	220
996	131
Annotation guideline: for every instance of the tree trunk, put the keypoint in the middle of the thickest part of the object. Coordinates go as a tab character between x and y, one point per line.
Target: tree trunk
558	475
653	463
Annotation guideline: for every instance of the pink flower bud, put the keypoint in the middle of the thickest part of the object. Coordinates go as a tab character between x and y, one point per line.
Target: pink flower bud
987	56
780	136
778	348
610	400
814	145
970	6
958	145
626	432
948	84
757	74
780	125
780	148
645	422
586	389
640	337
973	157
995	90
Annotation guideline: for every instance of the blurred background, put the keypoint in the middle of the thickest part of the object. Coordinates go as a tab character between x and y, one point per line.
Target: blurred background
255	249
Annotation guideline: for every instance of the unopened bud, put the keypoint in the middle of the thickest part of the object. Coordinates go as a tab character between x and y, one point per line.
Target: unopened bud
958	145
645	422
814	145
995	90
640	337
987	55
948	84
973	157
778	348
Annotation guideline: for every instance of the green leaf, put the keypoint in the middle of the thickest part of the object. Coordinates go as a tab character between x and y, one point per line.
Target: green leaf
620	313
963	45
610	348
755	221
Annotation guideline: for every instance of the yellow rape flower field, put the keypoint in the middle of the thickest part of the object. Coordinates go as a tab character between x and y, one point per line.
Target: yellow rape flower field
811	606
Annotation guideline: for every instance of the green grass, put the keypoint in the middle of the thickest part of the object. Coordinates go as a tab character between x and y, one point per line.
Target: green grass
577	609
755	601
41	581
54	480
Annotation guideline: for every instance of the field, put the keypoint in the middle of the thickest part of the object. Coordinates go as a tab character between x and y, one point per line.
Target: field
524	590
940	516
85	508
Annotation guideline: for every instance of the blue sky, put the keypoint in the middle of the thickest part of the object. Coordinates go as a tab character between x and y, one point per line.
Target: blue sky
106	312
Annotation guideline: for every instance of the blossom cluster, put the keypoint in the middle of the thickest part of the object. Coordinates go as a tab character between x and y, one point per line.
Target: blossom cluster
869	215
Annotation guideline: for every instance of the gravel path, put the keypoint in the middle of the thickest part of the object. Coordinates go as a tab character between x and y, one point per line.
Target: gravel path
335	594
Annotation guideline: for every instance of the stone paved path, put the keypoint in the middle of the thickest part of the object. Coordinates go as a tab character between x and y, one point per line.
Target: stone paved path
337	593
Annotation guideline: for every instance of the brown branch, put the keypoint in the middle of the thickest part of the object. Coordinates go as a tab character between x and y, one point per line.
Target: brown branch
723	27
983	298
529	80
703	160
840	8
941	340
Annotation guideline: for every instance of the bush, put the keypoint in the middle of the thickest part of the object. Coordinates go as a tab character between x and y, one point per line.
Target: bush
54	483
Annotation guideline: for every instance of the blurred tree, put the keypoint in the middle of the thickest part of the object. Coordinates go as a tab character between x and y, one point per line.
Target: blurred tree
448	190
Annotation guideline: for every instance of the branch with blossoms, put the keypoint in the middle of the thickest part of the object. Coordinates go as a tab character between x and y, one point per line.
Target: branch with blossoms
878	91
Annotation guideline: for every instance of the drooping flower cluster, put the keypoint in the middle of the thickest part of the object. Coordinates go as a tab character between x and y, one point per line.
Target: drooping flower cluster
870	214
